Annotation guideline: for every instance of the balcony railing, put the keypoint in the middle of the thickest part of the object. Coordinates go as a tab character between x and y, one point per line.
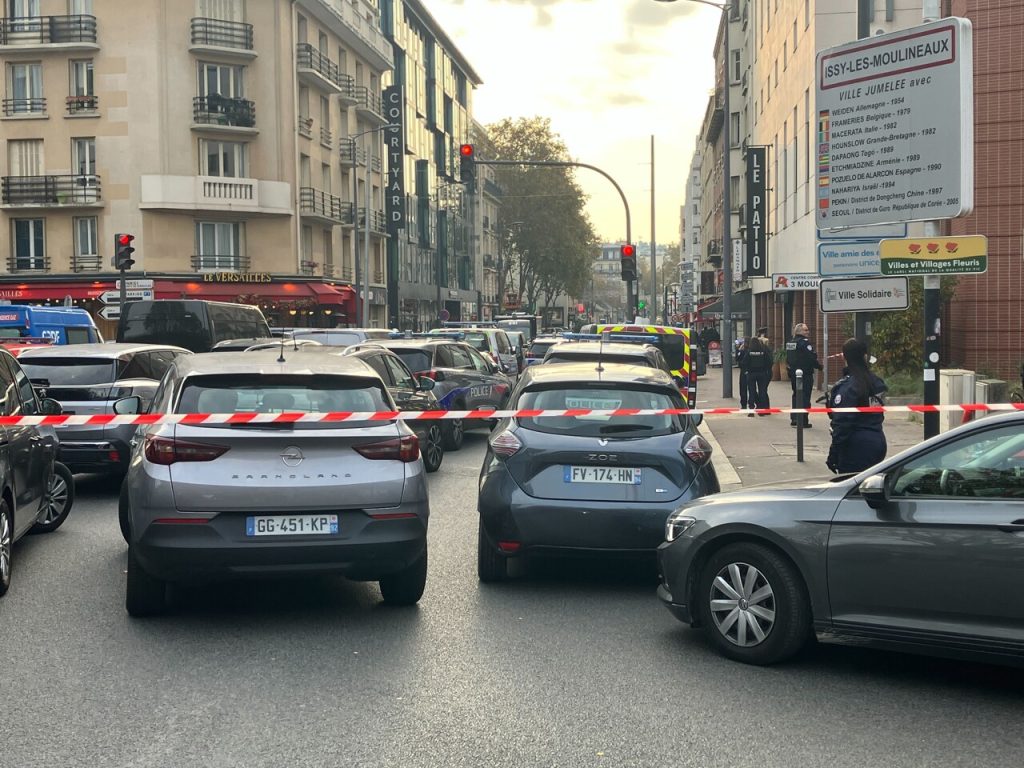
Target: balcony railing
315	202
310	58
224	110
222	34
16	107
368	101
17	263
86	262
50	190
378	221
77	105
305	126
44	30
325	136
217	263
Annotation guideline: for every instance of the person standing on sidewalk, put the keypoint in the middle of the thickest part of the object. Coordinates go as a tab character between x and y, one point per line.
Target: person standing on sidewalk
759	372
858	441
741	363
800	356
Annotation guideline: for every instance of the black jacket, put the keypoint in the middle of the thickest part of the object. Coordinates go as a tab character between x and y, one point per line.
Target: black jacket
847	393
800	355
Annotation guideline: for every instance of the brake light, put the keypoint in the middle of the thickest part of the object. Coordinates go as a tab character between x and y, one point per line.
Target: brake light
427	375
506	444
405	449
698	450
167	451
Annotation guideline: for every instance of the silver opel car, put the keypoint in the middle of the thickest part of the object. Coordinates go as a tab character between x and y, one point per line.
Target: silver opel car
204	502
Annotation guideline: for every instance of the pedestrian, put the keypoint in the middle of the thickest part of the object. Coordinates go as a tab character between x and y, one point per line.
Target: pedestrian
741	363
858	441
800	356
759	372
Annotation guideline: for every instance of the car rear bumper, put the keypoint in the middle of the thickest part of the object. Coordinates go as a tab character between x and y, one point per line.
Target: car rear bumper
96	448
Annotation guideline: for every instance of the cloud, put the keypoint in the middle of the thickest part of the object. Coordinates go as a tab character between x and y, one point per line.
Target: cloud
625	99
649	13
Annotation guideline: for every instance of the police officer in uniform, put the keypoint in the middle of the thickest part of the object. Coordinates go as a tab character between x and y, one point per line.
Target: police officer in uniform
759	371
857	438
800	356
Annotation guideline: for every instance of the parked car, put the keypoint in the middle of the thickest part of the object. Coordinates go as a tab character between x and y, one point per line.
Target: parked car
920	553
35	496
539	347
519	345
88	379
242	345
263	499
463	379
190	323
17	346
283	343
490	342
340	337
570	485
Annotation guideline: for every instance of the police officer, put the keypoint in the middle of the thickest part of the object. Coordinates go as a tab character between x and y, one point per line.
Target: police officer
741	363
800	356
857	438
759	371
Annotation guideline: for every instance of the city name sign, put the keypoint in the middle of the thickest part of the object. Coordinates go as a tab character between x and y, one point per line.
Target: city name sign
966	255
866	294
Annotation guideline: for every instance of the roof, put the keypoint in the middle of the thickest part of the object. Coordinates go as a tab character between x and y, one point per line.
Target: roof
417	7
612	373
265	362
413	343
594	347
95	350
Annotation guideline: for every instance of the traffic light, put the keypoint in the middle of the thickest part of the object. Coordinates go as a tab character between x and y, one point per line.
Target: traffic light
123	251
627	260
467	164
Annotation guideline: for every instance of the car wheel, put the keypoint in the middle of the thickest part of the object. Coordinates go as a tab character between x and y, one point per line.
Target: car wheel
405	587
59	497
454	434
122	516
144	594
433	448
753	604
6	545
490	566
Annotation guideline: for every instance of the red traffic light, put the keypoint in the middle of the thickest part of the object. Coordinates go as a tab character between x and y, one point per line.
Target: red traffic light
627	251
125	239
466	150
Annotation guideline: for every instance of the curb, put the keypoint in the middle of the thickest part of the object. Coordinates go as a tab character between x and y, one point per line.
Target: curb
728	477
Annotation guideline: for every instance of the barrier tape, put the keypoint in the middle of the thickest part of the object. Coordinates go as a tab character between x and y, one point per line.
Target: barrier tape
70	420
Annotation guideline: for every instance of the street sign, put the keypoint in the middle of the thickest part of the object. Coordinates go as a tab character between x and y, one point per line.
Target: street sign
785	281
848	258
966	255
875	233
896	127
112	312
114	297
865	294
142	283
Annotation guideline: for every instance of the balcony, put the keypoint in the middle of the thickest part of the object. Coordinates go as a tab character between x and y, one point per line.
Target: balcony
28	263
352	154
317	71
217	263
224	38
361	32
223	113
305	127
378	221
370	105
24	108
82	191
86	262
217	194
713	118
325	137
42	33
324	207
82	106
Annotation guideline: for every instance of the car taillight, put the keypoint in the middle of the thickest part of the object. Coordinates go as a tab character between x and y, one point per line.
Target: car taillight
167	451
427	375
506	444
405	449
698	450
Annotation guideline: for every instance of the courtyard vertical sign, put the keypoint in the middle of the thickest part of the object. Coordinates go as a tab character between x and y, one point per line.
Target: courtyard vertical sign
394	145
757	209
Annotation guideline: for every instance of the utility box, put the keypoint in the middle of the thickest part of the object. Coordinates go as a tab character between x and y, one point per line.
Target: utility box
956	387
989	391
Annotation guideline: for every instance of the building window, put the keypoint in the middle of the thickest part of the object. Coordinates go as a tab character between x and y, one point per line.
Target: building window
222	10
228	159
87	254
734	192
734	129
807	13
221	80
218	245
328	253
25	157
23	9
737	70
25	86
81	78
80	7
29	244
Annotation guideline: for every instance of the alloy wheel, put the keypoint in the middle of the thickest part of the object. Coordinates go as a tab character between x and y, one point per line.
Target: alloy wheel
433	449
6	535
742	604
56	499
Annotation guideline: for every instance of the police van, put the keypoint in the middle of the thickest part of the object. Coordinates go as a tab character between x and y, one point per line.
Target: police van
58	325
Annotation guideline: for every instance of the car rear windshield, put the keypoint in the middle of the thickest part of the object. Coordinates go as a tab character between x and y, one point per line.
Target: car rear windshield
332	338
593	357
255	393
477	341
600	398
672	346
540	348
70	371
416	360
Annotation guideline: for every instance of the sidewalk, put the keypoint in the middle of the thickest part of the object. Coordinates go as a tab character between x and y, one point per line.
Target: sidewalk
751	451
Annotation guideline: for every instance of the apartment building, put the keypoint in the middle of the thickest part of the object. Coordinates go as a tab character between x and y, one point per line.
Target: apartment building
238	140
486	240
690	240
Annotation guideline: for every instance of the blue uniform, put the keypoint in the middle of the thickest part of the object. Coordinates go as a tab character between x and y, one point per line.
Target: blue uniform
858	441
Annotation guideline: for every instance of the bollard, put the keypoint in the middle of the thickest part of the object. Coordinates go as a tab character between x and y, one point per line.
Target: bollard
801	417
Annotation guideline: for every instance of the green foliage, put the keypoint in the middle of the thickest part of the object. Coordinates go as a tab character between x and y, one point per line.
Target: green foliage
903	383
897	338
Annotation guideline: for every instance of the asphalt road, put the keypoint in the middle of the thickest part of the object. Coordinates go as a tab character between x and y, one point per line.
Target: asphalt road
565	666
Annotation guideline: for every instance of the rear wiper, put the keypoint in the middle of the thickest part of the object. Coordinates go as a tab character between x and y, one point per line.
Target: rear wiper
609	428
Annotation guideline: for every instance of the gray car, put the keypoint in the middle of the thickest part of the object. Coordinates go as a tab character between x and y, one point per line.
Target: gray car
87	379
213	501
583	483
921	552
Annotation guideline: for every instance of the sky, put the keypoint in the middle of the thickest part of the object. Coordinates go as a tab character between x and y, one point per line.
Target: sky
609	74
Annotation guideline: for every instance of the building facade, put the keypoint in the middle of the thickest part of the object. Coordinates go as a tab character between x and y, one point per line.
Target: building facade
238	140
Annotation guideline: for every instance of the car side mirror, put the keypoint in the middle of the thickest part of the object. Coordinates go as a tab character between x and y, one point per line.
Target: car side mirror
50	407
425	384
874	492
128	406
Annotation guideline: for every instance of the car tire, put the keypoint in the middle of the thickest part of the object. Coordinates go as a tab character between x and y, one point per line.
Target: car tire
433	448
771	620
145	595
491	567
60	496
454	434
6	547
123	519
405	587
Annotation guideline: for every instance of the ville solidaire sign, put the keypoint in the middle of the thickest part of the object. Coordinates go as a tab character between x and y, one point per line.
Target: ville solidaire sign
967	255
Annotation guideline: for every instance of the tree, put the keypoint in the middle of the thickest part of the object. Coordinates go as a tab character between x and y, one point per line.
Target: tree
897	338
549	239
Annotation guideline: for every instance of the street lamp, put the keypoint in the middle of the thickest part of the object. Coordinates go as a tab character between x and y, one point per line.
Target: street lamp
364	288
727	346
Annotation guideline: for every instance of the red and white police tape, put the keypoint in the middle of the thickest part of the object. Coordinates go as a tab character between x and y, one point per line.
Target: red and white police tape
69	420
